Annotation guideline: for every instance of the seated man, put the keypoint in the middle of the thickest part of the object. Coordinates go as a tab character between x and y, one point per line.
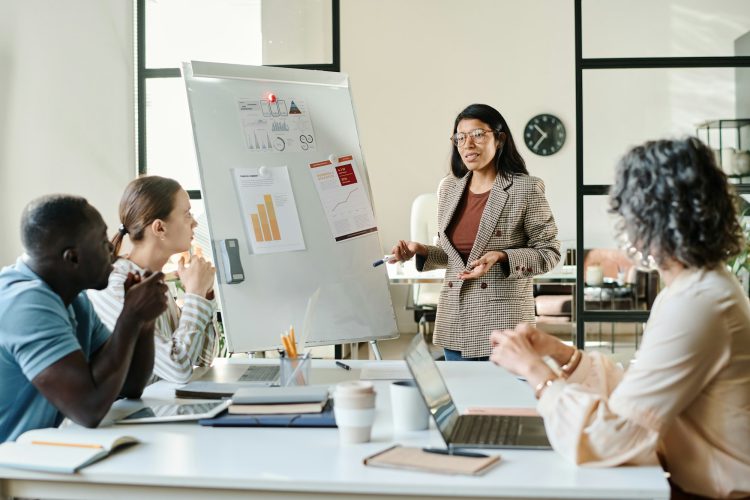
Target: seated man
56	357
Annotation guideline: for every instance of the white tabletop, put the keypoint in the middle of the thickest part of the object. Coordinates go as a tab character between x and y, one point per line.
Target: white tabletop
406	274
203	462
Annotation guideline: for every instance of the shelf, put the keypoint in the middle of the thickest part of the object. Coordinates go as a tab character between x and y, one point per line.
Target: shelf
728	123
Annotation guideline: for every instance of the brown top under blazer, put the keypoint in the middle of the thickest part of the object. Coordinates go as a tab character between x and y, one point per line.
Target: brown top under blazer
517	219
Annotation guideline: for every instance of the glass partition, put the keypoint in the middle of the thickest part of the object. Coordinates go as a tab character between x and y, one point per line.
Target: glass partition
625	107
666	28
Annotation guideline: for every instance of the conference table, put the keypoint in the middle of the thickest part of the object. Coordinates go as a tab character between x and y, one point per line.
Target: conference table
188	461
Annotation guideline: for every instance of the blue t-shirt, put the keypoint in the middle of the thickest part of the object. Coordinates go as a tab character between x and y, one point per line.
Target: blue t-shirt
37	330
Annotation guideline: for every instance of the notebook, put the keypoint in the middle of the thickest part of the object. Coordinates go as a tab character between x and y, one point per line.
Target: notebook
60	450
325	418
469	431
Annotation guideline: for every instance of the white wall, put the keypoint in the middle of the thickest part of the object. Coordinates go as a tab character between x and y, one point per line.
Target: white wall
415	64
66	106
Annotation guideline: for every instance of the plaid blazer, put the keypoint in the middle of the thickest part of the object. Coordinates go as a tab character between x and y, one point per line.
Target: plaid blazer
517	219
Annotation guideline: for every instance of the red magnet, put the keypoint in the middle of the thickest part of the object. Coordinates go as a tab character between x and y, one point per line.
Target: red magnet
271	97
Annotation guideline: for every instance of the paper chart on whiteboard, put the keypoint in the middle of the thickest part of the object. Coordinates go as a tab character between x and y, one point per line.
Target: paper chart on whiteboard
345	201
282	125
269	212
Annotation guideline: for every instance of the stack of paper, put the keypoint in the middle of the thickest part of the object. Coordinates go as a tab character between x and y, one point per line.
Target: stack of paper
279	400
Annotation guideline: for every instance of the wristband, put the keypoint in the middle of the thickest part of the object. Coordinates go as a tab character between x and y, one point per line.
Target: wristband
541	386
571	365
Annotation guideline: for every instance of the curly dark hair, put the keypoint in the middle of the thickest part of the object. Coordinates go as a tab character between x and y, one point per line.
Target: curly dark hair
675	202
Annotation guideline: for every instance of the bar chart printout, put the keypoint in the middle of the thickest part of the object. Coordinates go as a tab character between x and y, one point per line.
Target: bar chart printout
269	212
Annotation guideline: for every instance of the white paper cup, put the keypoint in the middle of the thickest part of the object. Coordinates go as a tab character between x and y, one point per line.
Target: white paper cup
354	408
409	410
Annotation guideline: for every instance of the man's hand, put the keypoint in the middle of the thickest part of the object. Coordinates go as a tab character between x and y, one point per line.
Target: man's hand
145	298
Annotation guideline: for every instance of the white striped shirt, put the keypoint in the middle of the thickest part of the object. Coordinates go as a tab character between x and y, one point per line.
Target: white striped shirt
182	338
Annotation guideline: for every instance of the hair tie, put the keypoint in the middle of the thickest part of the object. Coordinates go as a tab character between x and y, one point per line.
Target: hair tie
122	230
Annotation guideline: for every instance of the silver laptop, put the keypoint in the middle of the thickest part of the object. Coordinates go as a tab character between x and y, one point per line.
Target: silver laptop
469	431
241	373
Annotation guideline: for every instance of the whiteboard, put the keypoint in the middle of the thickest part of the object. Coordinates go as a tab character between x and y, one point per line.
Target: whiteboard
352	299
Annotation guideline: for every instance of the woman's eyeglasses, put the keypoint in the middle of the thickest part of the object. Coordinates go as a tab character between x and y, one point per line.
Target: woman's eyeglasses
479	136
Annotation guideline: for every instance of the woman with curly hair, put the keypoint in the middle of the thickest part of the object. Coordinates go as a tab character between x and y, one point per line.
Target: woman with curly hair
685	400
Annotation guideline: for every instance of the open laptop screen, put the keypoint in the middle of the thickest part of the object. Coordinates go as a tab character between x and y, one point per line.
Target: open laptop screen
432	386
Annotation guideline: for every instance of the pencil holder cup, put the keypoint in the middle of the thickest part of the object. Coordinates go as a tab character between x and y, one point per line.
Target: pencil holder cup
294	371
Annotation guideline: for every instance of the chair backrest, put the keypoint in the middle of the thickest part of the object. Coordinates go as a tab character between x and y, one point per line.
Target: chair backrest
424	229
424	224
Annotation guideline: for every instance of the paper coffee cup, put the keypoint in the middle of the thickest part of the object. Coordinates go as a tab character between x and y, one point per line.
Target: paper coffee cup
354	408
409	410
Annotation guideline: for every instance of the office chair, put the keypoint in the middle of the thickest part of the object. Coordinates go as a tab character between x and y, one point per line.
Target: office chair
424	229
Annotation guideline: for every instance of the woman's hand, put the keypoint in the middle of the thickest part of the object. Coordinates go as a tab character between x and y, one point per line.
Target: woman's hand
543	343
513	351
483	264
197	276
405	250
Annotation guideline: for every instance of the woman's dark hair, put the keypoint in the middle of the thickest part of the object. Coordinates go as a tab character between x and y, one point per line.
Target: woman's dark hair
674	202
507	160
145	199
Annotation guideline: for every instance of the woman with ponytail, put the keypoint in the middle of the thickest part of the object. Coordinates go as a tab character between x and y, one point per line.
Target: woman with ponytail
155	215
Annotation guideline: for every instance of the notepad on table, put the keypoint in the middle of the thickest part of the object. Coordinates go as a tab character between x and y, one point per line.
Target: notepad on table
279	400
411	458
61	450
277	408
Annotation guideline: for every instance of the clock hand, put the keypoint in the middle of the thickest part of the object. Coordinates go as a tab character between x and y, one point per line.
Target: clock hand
539	141
544	134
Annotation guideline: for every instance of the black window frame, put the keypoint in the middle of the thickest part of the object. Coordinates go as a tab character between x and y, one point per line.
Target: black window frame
143	74
582	64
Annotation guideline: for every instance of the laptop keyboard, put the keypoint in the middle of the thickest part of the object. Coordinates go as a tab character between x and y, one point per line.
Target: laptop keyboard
486	429
260	373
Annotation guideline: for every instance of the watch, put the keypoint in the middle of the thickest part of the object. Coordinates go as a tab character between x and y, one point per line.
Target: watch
544	134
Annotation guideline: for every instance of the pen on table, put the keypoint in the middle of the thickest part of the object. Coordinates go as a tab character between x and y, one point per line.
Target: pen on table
458	453
385	259
343	365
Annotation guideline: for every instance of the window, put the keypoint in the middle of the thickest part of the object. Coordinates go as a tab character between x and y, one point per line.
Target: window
293	33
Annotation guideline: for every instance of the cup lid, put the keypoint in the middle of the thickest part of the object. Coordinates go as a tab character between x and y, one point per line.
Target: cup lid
354	388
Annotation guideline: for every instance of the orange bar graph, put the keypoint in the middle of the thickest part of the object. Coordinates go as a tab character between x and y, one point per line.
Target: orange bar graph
265	223
256	227
272	217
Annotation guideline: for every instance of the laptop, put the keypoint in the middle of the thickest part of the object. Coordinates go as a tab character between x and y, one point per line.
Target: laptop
469	431
221	381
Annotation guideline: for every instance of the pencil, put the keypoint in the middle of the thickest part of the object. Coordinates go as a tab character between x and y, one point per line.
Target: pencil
74	445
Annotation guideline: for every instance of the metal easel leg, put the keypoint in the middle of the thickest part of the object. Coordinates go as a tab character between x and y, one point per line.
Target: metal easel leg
375	350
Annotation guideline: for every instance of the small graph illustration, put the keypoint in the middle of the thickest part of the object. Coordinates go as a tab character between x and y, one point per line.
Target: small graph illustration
294	109
265	223
279	127
345	200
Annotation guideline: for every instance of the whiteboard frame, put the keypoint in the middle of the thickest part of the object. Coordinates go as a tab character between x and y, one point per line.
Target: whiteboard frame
277	287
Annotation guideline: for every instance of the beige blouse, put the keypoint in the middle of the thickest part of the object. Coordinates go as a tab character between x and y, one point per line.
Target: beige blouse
685	398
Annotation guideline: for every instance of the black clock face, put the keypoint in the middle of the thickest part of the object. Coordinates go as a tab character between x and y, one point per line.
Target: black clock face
544	135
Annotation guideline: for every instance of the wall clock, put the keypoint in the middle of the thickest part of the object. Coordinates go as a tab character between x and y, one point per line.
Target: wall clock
544	134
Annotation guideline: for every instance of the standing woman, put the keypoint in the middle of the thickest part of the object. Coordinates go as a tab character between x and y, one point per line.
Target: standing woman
496	231
155	213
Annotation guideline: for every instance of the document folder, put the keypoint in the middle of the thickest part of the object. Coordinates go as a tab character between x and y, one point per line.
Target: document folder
322	419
